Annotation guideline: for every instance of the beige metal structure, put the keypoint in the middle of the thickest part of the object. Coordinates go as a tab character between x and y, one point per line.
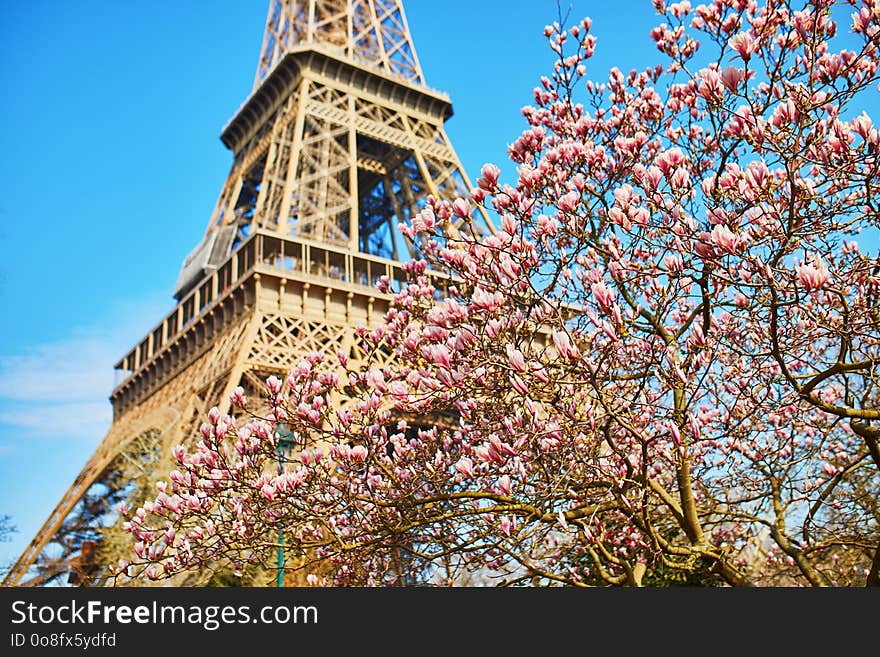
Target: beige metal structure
339	141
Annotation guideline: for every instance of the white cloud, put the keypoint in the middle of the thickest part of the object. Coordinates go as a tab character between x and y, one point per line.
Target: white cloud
54	409
78	369
77	420
61	388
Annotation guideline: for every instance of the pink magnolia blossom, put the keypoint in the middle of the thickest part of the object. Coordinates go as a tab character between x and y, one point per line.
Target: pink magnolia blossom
375	379
626	381
238	397
813	276
461	208
724	238
731	77
603	295
488	180
564	345
569	202
743	44
515	358
465	466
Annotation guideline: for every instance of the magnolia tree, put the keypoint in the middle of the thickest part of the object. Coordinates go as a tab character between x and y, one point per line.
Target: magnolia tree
663	366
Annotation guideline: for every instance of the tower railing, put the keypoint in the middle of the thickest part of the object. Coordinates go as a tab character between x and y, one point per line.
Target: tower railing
266	252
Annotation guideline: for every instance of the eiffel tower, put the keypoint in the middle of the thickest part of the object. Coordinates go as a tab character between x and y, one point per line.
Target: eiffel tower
339	141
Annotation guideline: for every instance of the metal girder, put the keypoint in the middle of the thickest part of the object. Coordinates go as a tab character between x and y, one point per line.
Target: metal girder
306	169
370	32
337	160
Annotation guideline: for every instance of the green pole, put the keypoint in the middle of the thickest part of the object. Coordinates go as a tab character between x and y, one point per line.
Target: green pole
285	441
279	579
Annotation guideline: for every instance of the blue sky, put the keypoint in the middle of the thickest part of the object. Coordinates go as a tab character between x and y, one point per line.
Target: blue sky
112	163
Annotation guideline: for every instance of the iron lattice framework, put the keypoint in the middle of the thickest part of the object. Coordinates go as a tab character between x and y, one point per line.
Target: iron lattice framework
339	141
371	32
